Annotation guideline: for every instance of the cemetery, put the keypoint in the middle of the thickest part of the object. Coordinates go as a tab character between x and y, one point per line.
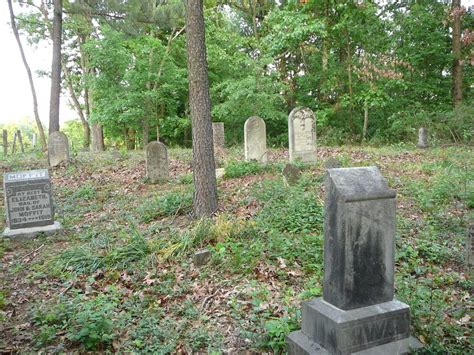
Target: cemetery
237	177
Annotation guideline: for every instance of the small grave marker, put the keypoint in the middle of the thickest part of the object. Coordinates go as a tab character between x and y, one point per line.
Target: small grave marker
302	135
255	140
29	204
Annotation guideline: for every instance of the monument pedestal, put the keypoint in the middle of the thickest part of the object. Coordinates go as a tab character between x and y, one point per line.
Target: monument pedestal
326	329
32	232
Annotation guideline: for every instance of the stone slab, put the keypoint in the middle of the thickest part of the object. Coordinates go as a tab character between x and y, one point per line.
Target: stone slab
26	233
255	140
359	229
354	330
28	200
58	149
299	344
302	135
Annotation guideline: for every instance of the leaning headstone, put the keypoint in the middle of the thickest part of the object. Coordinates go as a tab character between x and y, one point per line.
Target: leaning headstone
202	257
218	135
255	140
357	311
291	173
58	149
422	138
302	135
157	166
29	205
332	163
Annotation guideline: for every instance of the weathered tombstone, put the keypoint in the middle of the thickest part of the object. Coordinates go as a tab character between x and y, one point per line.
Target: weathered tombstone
357	311
220	173
29	205
201	257
20	141
291	173
157	166
302	135
218	135
5	142
255	140
58	149
332	163
33	140
422	138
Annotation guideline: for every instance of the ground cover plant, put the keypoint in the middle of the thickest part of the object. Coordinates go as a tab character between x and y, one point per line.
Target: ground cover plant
121	278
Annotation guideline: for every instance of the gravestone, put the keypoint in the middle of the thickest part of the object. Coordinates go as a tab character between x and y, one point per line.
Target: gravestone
302	135
201	257
157	166
357	312
33	140
218	135
422	138
291	173
28	204
255	140
58	149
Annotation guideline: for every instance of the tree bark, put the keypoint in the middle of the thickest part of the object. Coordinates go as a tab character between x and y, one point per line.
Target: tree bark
77	106
14	144
457	66
20	141
146	132
97	137
56	67
5	142
366	121
204	170
30	77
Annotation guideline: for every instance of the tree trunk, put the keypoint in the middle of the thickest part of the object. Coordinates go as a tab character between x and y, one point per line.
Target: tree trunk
146	132
56	67
30	77
77	105
5	142
366	121
20	141
204	170
97	138
14	144
457	67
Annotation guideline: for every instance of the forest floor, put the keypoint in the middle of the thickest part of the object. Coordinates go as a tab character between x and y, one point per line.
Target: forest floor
121	278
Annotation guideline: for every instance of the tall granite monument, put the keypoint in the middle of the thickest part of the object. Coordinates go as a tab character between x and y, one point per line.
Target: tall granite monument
302	135
29	205
255	140
157	165
357	313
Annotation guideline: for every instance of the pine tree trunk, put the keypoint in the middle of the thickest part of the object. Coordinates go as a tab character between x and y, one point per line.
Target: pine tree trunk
30	77
97	138
204	173
146	132
366	121
457	67
56	67
20	141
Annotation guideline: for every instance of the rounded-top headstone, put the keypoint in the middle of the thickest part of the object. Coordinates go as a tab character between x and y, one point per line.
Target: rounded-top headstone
157	166
302	135
58	149
422	138
255	139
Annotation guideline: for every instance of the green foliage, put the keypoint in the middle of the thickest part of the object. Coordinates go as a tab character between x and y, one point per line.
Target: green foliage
87	321
171	204
278	329
85	192
293	209
236	169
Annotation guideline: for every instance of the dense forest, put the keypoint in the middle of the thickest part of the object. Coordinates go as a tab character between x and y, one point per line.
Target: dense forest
372	71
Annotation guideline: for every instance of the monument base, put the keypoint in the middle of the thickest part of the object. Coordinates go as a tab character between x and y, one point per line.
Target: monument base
378	329
32	231
299	344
